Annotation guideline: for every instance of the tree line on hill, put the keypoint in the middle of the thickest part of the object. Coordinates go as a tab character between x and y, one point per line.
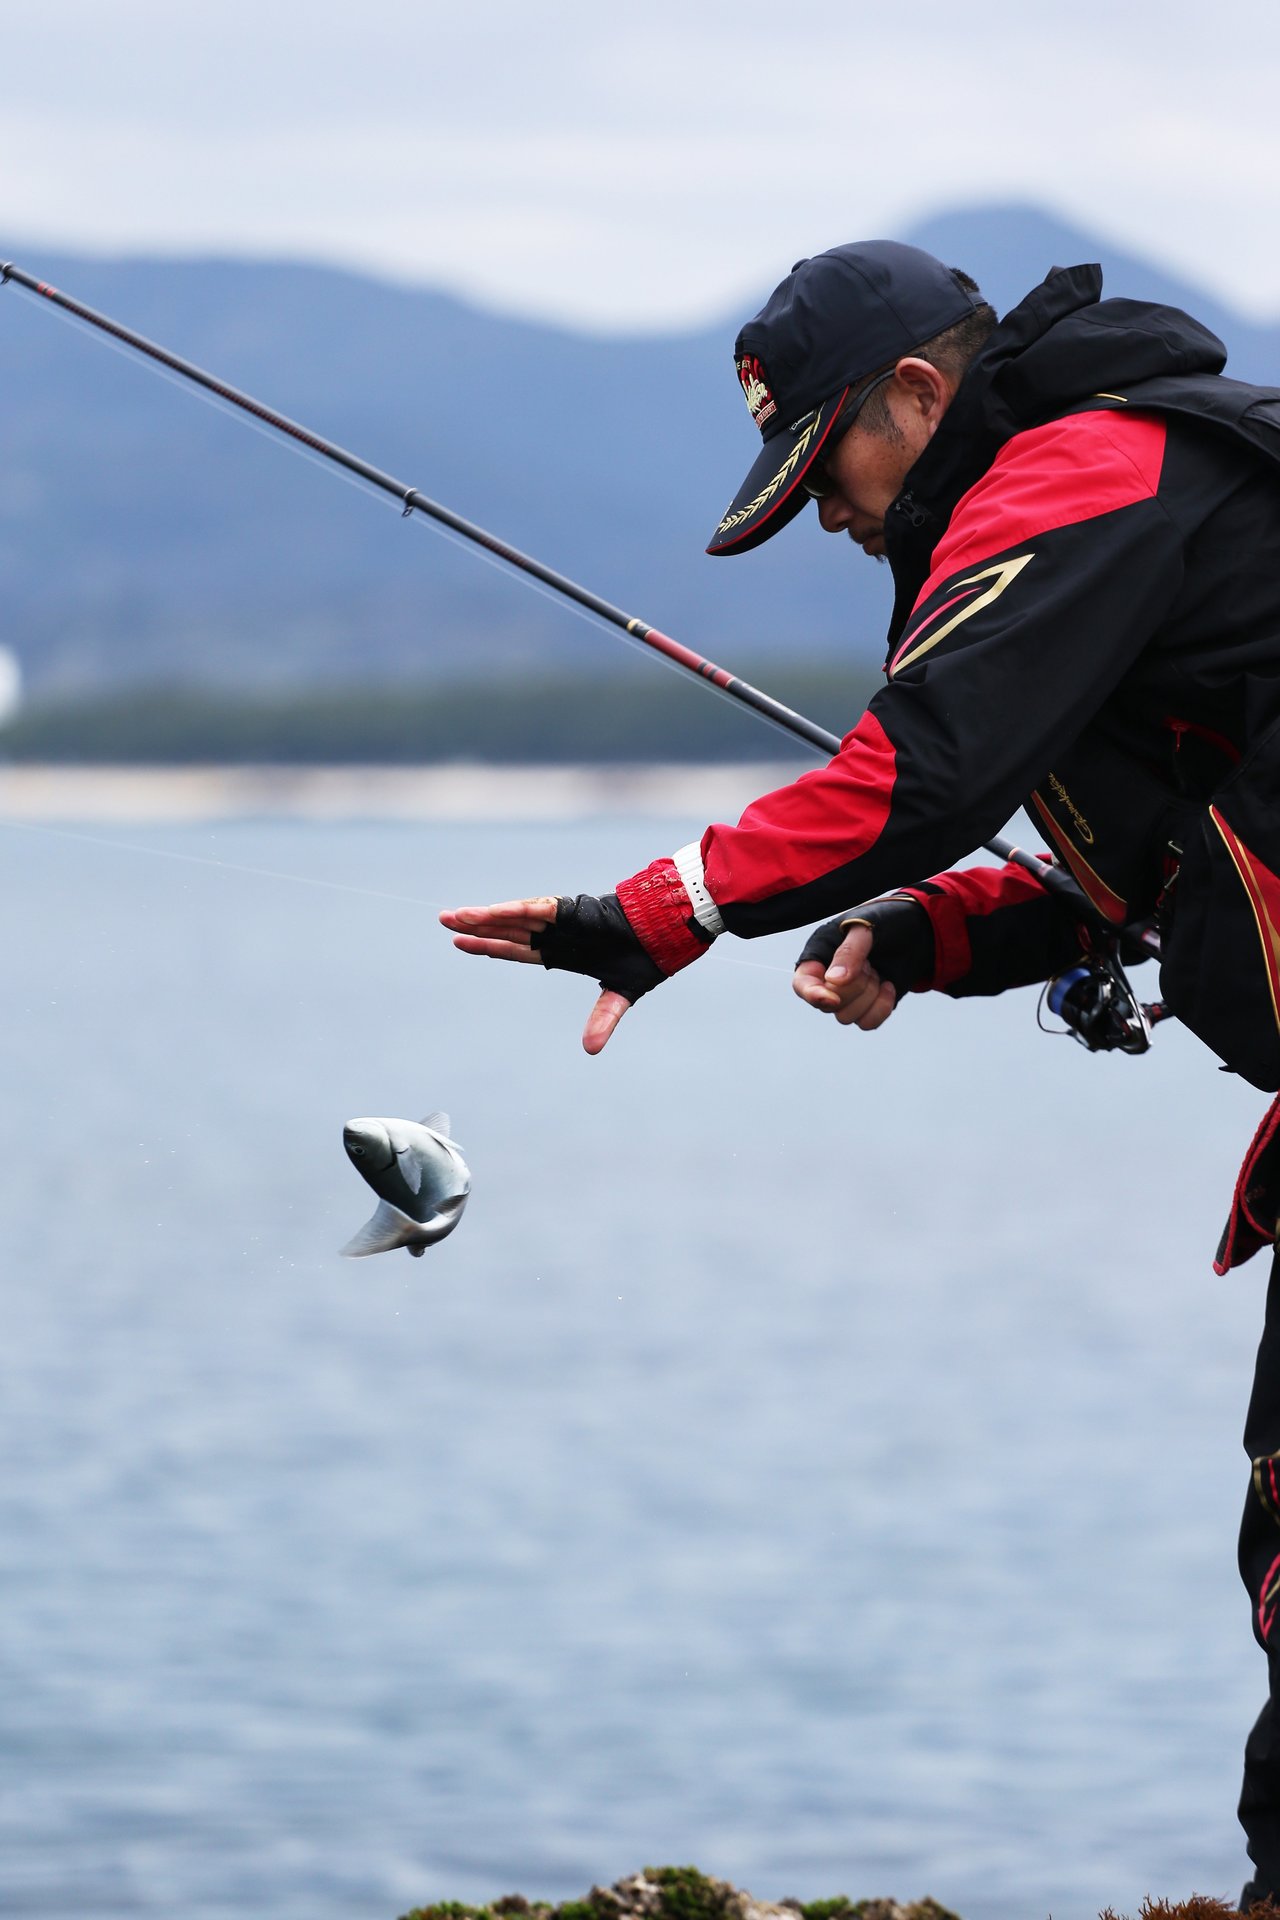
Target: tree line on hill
656	716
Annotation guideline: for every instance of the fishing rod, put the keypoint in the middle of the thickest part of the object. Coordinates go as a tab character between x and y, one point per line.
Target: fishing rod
412	500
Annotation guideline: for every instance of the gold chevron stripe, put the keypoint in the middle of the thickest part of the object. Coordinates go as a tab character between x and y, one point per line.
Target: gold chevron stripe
1003	574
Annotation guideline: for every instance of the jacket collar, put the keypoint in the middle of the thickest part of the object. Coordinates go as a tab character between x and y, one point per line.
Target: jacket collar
981	417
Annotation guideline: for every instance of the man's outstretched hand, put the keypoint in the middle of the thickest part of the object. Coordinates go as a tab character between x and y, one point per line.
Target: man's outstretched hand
509	930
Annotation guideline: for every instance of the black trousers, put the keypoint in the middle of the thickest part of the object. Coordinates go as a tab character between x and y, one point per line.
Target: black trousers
1260	1571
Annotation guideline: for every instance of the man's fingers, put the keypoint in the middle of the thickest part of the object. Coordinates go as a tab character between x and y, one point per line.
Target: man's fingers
497	949
810	981
602	1020
501	932
869	1011
507	919
852	1001
506	931
886	1001
849	986
859	998
541	906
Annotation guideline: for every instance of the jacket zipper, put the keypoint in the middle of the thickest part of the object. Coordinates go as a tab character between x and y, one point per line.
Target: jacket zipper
912	512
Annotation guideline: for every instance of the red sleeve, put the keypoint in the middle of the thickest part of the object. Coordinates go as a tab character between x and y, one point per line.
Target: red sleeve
993	928
820	822
952	900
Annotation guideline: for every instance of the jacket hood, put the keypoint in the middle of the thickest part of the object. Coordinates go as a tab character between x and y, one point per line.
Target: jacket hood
1064	343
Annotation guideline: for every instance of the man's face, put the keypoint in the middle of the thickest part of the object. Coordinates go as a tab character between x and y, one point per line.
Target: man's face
867	470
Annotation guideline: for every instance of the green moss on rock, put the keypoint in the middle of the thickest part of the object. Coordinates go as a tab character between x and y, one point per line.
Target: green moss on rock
680	1893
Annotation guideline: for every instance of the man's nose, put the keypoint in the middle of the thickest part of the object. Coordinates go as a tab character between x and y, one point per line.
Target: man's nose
834	512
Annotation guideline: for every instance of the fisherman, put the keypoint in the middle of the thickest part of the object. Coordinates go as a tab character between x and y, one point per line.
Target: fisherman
1082	518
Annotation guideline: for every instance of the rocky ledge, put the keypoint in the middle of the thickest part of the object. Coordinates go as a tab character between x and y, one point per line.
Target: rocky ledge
682	1893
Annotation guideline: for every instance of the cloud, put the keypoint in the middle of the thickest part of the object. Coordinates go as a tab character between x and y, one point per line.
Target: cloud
635	169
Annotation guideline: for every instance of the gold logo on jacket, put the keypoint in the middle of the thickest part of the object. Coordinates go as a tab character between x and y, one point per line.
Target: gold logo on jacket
1064	799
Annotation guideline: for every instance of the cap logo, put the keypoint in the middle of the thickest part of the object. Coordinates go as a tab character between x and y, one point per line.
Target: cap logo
756	388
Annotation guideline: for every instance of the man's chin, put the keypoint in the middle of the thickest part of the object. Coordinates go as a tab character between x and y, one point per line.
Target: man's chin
872	545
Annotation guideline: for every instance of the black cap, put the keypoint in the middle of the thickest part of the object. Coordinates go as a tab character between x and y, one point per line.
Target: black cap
834	320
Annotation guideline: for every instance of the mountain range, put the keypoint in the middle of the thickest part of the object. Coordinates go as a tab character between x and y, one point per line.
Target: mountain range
145	536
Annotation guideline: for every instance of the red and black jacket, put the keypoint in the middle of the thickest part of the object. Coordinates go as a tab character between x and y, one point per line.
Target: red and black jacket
1087	621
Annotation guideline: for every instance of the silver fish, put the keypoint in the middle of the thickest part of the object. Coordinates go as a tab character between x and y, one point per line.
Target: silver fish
419	1176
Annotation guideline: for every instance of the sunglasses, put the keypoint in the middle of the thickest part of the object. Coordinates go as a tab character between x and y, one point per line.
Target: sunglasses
817	482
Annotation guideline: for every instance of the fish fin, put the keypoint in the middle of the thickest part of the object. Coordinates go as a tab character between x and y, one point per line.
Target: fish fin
438	1122
410	1169
387	1229
443	1220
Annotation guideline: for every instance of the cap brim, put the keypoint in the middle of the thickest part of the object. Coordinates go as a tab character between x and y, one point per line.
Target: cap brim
772	493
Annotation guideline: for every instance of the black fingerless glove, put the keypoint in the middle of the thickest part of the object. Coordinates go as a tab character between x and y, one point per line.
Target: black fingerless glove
902	952
594	936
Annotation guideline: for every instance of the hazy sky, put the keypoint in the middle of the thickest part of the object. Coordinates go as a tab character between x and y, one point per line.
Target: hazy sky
635	167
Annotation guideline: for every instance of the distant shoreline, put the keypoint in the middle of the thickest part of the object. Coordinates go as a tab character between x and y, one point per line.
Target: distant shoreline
465	792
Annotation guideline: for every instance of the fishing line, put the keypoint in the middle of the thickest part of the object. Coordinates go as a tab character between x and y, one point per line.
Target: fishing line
226	408
273	873
594	620
206	860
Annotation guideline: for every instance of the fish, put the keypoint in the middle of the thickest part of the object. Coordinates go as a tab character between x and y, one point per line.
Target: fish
419	1176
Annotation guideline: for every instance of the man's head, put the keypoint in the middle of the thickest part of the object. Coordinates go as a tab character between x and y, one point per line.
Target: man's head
848	369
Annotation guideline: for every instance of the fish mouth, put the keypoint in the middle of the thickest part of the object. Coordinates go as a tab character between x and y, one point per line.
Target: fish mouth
368	1146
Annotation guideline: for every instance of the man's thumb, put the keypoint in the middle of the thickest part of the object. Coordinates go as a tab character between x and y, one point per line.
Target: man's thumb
602	1020
850	956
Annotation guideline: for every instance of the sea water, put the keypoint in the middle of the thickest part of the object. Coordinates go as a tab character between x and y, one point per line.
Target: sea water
815	1456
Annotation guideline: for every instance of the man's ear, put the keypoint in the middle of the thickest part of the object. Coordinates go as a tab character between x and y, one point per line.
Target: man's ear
925	388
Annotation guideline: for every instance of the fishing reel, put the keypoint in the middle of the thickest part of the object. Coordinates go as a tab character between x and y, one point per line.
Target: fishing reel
1096	1002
